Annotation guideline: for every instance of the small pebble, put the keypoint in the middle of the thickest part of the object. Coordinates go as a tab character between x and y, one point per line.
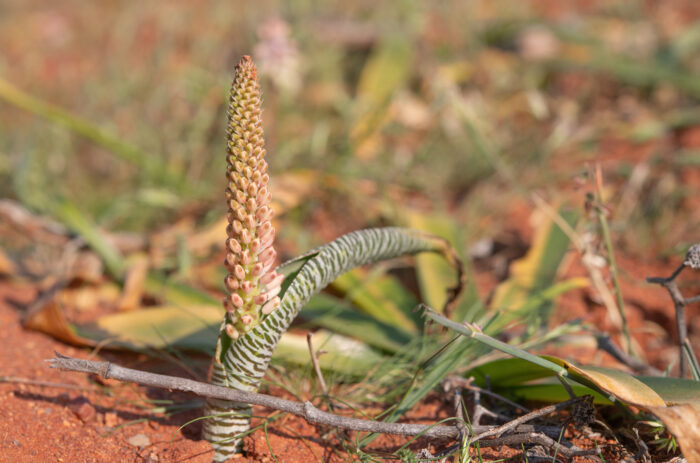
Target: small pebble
83	409
111	419
139	440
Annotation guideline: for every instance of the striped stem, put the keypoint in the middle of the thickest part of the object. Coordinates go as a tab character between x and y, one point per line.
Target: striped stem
244	363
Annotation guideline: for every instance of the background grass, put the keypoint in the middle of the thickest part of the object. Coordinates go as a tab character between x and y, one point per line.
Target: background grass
452	102
448	116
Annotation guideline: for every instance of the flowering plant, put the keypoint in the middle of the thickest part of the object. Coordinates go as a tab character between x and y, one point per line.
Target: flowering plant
263	301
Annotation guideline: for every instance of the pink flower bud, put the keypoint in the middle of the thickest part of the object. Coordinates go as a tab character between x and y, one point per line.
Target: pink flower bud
238	272
240	197
264	228
253	190
231	331
250	205
273	291
267	239
231	283
262	197
230	260
245	236
264	214
268	278
277	282
235	177
236	300
257	269
267	267
250	222
271	305
268	255
237	226
233	245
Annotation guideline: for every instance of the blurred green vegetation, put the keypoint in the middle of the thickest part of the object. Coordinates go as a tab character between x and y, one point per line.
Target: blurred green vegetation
446	116
453	102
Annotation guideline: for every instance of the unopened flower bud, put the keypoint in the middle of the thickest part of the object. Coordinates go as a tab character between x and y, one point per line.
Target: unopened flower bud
267	255
231	331
239	272
233	245
250	205
231	283
271	305
236	300
231	260
257	270
245	236
237	227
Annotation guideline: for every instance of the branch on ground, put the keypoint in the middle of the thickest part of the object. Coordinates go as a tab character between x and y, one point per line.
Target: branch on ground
692	260
307	410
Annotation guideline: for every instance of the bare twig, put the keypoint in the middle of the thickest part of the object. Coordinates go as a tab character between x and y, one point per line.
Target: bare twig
524	434
687	348
511	425
643	450
530	438
535	438
306	409
606	343
317	367
605	230
459	413
478	408
692	260
467	383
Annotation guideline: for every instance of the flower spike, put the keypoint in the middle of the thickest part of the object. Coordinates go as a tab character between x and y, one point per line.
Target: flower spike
251	281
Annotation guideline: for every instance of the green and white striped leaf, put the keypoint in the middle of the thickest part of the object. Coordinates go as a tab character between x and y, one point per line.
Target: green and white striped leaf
244	363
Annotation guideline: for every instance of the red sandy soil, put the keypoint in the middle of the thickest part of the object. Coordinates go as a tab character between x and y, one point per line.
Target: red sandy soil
93	420
74	420
83	423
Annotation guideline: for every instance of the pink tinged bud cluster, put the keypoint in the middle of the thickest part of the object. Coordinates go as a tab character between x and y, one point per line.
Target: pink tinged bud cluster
252	283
